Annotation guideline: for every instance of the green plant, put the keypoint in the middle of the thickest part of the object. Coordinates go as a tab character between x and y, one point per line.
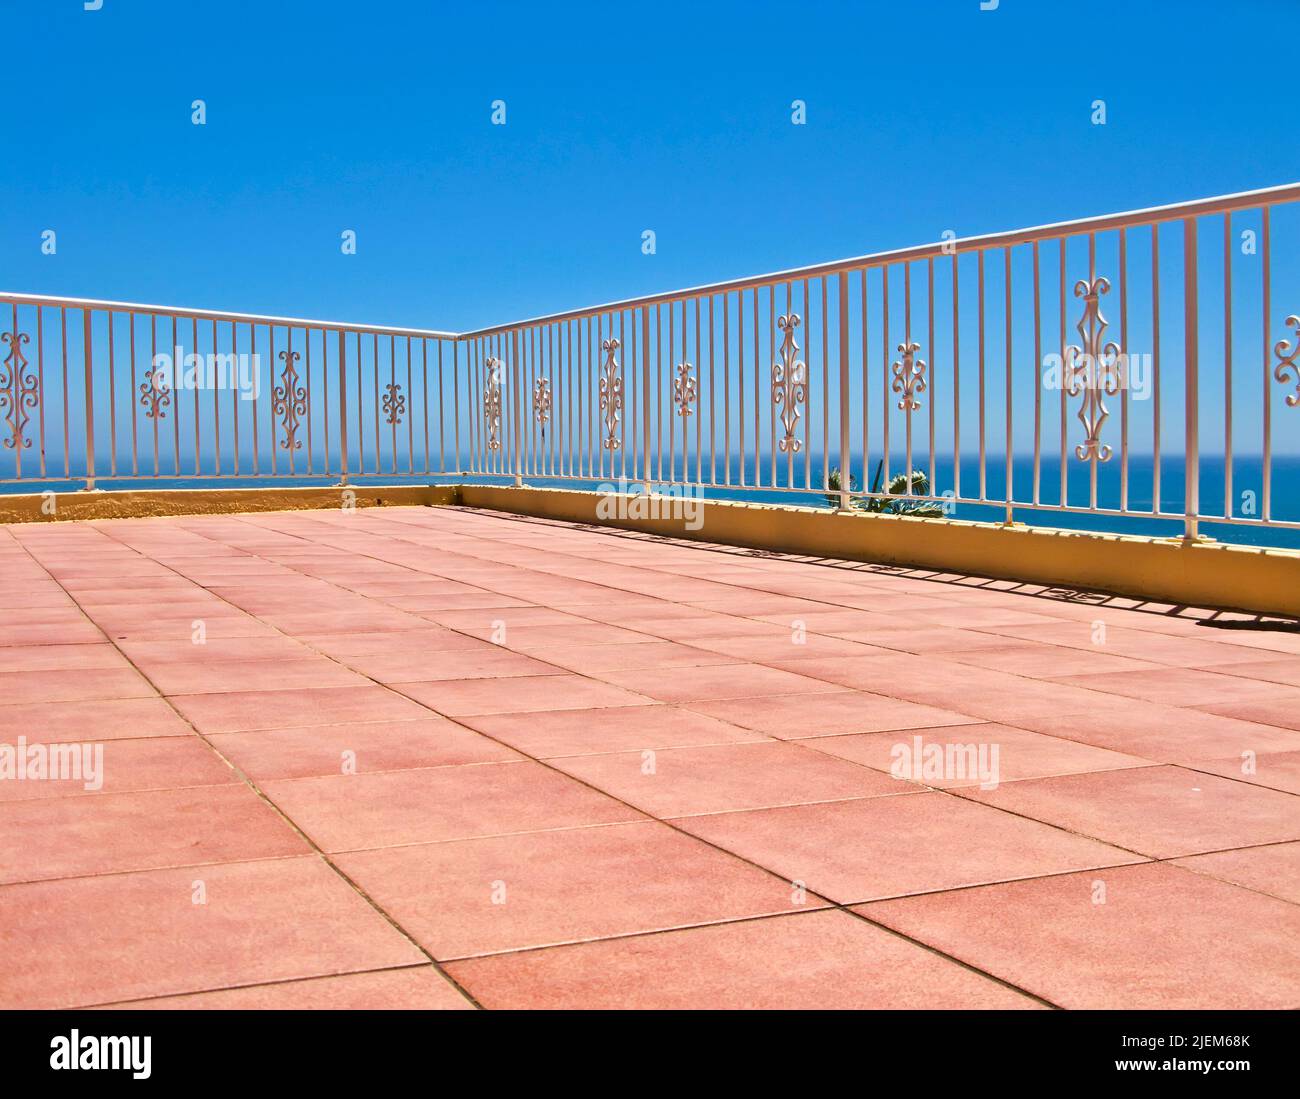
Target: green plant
833	482
898	486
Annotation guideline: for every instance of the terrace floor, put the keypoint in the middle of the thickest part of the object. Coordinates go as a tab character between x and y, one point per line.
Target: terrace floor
441	758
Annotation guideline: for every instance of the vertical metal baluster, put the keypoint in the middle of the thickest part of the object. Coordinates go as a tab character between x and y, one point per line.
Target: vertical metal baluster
866	388
846	460
1191	386
1093	457
135	434
1155	369
982	409
343	407
1128	371
726	388
666	395
884	374
410	414
1266	280
153	359
622	424
112	398
758	401
699	398
658	377
87	356
361	422
826	372
740	379
424	391
455	403
325	390
67	430
194	348
517	400
956	383
807	428
771	408
374	375
1227	365
907	341
1038	378
934	393
1010	485
176	403
1065	467
257	397
306	371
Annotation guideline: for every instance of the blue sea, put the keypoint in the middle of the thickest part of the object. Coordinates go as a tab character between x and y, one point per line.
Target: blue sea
1246	500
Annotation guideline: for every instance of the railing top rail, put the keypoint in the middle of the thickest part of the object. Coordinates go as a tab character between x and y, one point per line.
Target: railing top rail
217	315
1288	192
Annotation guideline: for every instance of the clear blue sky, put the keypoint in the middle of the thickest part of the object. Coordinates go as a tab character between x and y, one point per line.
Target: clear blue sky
324	116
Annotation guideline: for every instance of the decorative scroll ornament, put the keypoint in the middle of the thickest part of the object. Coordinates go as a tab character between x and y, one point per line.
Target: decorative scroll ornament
909	377
789	385
492	402
1286	369
684	390
1092	370
542	400
611	394
394	404
155	394
289	401
19	391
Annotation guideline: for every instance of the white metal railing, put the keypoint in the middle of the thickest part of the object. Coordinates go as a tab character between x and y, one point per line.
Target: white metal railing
1117	366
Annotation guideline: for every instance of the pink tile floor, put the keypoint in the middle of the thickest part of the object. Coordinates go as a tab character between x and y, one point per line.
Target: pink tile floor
440	758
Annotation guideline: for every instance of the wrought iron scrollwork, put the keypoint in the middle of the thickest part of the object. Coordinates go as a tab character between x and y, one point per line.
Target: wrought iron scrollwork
685	390
909	377
20	391
1092	370
789	385
394	404
492	402
611	394
289	401
155	394
1287	370
542	400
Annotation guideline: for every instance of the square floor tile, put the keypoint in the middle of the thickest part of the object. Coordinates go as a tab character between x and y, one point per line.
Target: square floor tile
511	892
119	766
123	936
558	733
1162	812
357	747
679	781
745	681
790	717
245	711
1273	868
109	833
353	812
1163	938
518	694
822	960
951	756
894	845
413	988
